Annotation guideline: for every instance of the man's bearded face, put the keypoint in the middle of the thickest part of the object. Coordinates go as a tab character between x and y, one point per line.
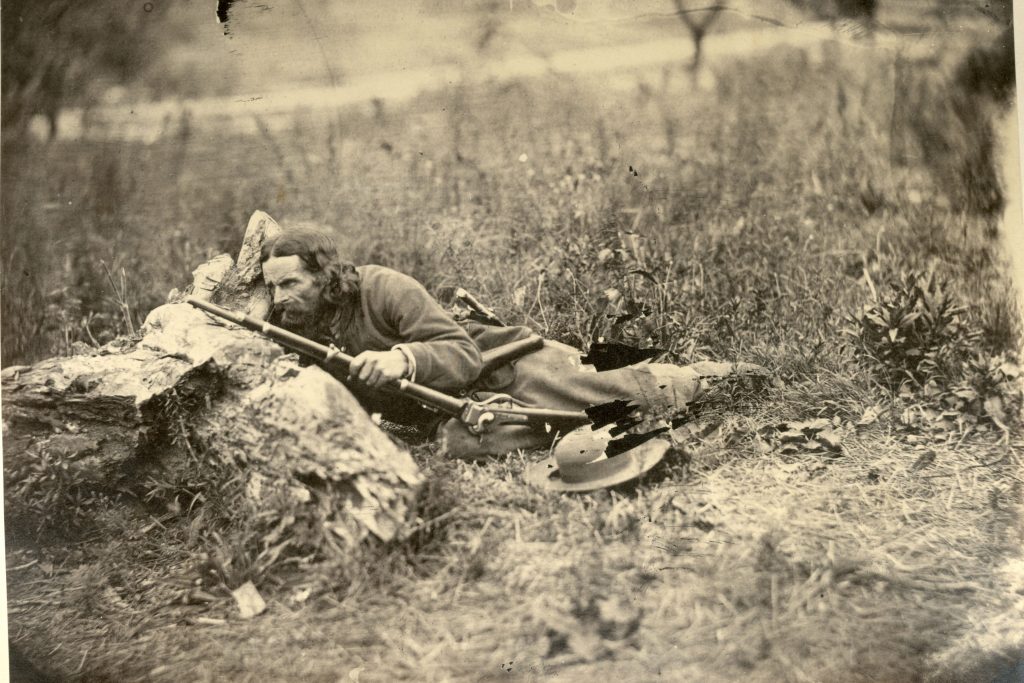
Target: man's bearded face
296	291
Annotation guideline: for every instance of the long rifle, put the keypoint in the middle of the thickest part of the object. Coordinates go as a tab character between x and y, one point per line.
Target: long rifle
476	415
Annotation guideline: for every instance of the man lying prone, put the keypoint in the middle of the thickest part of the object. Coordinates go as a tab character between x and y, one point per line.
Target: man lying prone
396	330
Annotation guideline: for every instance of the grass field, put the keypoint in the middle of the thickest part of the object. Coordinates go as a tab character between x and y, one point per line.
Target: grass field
747	222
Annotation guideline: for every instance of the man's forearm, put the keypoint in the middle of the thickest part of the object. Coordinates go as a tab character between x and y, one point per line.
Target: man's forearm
445	365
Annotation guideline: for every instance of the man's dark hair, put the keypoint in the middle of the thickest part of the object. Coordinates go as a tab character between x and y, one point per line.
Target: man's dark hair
319	254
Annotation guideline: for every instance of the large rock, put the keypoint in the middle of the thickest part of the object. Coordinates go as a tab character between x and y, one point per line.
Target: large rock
345	475
195	383
243	287
93	414
235	284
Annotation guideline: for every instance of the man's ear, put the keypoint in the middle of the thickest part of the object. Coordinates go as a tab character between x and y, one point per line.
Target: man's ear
323	278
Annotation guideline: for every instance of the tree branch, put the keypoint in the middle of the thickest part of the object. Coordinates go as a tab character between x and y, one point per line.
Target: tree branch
684	13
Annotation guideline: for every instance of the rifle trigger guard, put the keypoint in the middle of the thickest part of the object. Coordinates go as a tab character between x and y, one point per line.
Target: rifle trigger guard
482	423
477	417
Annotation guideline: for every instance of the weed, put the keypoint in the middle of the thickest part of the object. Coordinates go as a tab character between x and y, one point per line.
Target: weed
121	298
47	495
913	332
915	339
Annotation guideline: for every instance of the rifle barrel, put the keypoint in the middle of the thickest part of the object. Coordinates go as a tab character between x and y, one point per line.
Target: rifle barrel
331	357
328	356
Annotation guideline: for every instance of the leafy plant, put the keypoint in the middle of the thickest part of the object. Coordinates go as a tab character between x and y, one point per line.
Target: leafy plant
917	340
48	494
991	388
915	332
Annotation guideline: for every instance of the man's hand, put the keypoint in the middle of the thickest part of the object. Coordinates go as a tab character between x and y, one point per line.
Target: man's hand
377	368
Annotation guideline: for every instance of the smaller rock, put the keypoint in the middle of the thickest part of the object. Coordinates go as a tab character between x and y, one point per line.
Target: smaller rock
250	602
830	440
205	279
242	287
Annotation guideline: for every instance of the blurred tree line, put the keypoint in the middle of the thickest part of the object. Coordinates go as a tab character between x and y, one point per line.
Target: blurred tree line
59	53
950	115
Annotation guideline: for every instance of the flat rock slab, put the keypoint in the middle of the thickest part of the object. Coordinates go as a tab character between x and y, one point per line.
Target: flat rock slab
97	412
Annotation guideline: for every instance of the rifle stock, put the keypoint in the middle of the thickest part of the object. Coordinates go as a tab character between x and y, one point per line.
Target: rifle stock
475	415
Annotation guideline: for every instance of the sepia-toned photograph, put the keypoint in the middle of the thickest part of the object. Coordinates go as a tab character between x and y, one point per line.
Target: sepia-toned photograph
362	341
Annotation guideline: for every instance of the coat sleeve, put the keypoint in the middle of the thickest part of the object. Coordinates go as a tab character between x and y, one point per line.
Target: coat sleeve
445	356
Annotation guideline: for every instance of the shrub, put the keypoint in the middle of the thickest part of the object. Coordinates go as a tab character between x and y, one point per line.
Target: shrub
917	340
47	495
915	332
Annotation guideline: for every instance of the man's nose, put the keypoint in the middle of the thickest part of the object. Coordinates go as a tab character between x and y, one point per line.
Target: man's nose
280	297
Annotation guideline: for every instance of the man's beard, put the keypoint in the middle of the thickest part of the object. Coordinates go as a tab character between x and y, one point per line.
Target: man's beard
311	324
293	319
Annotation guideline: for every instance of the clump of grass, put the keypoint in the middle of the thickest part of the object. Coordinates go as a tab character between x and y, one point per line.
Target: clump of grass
913	332
47	496
916	340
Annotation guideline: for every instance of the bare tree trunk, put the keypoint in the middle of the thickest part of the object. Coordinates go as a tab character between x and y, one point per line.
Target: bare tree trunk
898	147
698	29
